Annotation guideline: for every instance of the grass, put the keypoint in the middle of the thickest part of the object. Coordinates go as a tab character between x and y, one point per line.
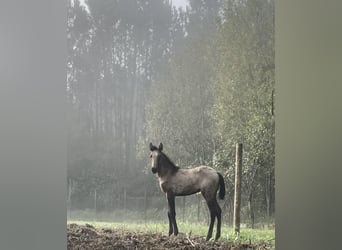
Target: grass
227	233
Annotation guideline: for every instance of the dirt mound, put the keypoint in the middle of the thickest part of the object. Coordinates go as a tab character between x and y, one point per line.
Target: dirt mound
88	237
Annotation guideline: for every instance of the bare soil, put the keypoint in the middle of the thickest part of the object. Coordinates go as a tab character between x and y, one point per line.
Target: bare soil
88	237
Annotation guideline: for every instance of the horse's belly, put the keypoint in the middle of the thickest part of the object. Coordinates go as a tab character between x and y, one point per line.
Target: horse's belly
186	188
179	188
182	192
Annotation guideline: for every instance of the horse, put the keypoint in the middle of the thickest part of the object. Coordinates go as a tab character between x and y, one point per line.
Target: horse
175	181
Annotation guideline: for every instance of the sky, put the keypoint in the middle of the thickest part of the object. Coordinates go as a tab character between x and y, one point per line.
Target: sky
180	3
177	3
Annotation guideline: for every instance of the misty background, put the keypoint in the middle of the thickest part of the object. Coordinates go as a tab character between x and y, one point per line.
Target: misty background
198	77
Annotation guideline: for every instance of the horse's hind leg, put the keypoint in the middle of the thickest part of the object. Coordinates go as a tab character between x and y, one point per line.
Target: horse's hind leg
212	219
218	215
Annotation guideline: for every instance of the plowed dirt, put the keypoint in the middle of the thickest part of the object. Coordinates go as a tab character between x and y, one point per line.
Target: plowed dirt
88	237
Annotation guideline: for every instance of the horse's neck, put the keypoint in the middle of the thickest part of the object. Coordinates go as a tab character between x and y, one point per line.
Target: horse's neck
166	170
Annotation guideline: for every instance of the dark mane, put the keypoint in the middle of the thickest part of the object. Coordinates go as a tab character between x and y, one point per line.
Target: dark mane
174	167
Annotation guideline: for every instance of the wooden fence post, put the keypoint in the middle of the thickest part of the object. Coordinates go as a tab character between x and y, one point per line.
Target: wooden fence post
69	199
125	199
198	207
237	190
183	208
95	203
145	202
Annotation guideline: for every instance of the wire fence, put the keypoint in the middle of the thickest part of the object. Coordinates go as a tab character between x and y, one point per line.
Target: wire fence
125	207
190	208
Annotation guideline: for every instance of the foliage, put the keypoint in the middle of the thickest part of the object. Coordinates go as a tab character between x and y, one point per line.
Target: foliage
115	49
178	111
243	87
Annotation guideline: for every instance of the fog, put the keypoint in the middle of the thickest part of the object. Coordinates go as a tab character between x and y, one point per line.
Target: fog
195	75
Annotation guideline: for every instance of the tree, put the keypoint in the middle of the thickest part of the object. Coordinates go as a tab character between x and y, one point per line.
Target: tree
115	49
178	111
243	88
199	80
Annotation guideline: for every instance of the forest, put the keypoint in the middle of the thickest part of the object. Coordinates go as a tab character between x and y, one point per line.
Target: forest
198	79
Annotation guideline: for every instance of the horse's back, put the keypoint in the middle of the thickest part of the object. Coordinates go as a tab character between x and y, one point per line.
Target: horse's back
204	176
207	175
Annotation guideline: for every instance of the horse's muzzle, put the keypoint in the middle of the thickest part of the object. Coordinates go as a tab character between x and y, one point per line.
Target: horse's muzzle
154	170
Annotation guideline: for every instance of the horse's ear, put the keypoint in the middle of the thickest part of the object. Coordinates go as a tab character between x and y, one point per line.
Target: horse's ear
160	147
151	146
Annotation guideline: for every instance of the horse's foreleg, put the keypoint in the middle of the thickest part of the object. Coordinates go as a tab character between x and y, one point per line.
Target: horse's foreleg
170	223
172	214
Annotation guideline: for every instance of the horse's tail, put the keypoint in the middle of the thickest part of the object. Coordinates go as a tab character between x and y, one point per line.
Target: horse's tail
222	190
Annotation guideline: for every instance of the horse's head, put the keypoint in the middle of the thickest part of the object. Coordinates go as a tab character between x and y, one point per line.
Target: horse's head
155	157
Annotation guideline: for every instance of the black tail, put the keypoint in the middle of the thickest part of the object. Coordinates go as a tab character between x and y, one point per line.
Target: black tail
222	190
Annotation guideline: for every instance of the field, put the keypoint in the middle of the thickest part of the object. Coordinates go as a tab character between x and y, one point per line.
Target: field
103	235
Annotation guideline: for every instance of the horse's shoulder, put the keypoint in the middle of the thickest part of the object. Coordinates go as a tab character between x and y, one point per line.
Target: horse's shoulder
164	184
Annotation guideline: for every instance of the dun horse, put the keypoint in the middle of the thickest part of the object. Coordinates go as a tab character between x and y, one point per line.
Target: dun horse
175	181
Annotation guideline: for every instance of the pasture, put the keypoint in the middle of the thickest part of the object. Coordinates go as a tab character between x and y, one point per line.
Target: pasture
152	235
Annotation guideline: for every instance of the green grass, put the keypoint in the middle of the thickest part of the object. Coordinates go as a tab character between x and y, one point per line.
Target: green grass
227	233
